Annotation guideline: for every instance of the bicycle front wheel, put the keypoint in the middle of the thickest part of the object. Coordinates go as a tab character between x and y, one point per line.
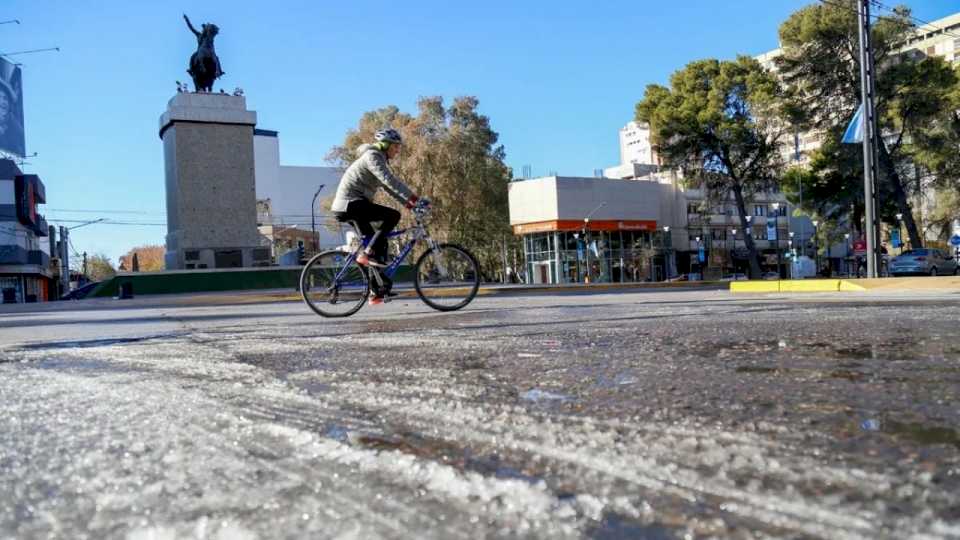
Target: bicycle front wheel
447	277
333	284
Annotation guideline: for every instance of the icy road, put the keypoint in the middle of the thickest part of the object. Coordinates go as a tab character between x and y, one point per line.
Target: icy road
627	414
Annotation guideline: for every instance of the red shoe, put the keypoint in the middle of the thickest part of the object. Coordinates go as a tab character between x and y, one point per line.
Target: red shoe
375	300
367	260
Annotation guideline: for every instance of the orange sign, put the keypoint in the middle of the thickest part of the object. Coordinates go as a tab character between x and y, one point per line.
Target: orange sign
577	225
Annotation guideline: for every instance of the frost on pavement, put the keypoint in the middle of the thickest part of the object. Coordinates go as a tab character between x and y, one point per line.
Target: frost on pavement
266	430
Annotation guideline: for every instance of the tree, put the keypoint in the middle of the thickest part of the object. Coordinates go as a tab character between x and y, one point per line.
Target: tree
820	63
719	122
450	154
149	257
99	268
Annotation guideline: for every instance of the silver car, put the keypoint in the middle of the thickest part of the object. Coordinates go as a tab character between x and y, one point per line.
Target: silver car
933	262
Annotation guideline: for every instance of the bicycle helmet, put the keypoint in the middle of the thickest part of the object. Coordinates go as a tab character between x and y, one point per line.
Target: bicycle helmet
389	136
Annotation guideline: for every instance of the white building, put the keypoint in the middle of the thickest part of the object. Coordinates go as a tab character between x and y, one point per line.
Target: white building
635	145
290	191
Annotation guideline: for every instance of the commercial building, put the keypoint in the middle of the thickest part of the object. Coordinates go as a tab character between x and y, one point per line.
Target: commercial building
577	229
25	274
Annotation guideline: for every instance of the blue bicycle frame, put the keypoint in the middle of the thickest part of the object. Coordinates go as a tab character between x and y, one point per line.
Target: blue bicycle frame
391	269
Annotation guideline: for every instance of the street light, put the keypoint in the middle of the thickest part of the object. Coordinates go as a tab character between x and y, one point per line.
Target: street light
900	230
732	265
667	245
816	247
313	219
586	238
846	244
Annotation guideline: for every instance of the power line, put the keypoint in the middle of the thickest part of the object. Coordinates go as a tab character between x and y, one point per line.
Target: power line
881	5
85	211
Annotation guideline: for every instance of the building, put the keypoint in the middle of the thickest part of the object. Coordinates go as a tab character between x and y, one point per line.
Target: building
578	230
293	197
635	145
25	274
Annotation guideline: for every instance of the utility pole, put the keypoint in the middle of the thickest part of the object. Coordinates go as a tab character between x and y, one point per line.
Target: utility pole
870	139
84	264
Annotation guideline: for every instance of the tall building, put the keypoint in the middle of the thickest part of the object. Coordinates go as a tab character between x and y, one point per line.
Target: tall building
635	146
25	274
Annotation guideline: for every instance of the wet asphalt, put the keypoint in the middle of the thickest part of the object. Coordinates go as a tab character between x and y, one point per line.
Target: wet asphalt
621	414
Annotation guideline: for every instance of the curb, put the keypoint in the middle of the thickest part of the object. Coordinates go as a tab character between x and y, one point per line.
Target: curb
846	285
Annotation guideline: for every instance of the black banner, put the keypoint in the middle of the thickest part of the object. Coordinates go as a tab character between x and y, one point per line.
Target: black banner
11	109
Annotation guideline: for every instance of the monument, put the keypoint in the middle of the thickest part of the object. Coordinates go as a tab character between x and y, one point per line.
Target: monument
209	169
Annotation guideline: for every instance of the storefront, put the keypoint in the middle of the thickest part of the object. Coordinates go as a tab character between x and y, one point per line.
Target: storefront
594	230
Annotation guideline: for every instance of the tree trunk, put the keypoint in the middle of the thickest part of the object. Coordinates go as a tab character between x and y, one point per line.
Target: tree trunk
747	233
900	197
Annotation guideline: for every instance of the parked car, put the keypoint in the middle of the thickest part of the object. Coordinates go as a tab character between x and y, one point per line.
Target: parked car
932	262
770	276
734	277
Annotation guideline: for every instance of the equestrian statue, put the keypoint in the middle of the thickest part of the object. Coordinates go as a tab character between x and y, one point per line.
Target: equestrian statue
204	64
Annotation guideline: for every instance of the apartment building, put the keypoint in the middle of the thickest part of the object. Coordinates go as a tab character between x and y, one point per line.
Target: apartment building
25	274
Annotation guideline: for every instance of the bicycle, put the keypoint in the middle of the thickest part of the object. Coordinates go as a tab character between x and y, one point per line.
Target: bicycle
446	276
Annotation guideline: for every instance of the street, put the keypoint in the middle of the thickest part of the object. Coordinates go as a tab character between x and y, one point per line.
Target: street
615	414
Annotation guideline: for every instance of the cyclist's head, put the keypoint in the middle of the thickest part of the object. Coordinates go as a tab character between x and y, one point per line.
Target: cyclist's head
388	141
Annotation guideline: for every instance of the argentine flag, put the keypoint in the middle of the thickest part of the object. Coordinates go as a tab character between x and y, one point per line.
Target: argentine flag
854	133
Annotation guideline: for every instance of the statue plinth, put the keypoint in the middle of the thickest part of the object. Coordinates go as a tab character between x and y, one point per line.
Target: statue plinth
211	191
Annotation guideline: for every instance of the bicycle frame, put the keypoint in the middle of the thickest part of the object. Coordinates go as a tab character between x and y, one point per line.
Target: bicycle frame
418	232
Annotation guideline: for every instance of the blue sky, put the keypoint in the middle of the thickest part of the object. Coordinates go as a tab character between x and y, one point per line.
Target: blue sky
557	79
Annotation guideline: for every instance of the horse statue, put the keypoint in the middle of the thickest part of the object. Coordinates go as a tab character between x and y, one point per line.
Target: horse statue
204	64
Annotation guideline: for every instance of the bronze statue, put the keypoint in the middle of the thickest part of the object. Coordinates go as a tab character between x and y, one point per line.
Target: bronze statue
204	64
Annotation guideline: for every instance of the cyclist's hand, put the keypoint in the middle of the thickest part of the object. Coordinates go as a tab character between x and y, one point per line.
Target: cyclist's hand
423	203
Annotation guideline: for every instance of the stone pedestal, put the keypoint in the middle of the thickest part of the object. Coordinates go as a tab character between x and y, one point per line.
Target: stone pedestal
211	192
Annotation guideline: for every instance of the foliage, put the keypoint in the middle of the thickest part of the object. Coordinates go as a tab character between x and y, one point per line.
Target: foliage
150	258
99	267
915	104
720	123
452	156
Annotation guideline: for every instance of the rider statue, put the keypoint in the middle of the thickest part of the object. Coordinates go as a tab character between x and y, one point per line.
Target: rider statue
204	64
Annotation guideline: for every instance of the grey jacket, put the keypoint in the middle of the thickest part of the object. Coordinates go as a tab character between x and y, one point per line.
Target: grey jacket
365	176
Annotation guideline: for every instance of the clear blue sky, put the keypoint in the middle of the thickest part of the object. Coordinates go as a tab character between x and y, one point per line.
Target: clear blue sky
557	79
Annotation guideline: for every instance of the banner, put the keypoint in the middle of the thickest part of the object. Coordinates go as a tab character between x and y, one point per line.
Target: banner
11	109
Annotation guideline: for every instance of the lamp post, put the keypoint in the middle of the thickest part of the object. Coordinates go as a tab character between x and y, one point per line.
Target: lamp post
313	220
816	247
846	245
699	262
900	230
732	265
667	245
776	236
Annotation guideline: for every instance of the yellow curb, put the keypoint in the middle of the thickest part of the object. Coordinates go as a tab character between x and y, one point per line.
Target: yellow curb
754	286
810	285
904	283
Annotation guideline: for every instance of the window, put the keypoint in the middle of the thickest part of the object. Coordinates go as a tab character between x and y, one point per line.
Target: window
758	210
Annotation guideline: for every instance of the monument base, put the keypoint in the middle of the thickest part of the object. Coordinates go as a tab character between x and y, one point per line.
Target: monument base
211	190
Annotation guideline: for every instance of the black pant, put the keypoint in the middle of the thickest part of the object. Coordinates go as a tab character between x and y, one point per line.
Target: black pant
364	212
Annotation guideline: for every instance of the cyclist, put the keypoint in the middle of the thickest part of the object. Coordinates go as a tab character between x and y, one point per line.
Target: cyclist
358	186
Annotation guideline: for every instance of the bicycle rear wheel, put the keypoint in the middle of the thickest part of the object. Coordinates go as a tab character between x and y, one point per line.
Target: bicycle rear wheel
447	277
329	296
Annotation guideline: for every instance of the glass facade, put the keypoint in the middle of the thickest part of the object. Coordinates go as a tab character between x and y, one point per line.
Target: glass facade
595	257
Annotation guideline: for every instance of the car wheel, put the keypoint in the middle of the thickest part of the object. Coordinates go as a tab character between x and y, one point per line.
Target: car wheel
933	271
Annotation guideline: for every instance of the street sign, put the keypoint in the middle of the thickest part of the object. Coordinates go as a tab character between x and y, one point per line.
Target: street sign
895	238
702	254
955	240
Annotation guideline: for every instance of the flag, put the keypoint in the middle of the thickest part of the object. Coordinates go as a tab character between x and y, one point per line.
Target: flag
854	133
